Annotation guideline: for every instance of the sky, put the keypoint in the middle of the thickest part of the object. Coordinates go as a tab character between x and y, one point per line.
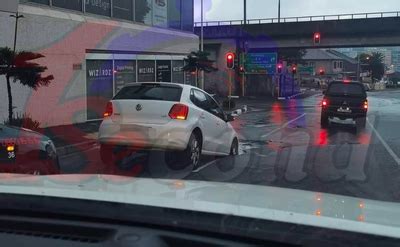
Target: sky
215	10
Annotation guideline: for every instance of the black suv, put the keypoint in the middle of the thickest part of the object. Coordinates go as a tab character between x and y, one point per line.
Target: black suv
344	100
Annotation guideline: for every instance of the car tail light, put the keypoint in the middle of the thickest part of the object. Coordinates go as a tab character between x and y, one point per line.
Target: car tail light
324	102
10	148
179	112
366	105
109	110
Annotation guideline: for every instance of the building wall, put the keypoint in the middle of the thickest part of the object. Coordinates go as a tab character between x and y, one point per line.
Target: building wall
65	39
218	82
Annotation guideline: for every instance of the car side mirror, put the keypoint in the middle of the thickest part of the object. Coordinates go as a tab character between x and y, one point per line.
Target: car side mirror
229	118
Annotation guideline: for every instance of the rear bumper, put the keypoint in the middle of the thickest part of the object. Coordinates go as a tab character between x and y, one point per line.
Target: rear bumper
171	136
332	113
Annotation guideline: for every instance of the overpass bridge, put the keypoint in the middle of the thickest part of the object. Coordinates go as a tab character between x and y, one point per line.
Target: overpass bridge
272	35
347	30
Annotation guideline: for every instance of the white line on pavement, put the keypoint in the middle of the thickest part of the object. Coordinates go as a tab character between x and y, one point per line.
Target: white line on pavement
204	166
283	126
387	147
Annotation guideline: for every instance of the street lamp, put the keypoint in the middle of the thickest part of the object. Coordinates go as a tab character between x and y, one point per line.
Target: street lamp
279	11
202	41
17	17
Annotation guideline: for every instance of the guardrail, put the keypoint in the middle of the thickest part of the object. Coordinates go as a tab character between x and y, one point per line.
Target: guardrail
302	19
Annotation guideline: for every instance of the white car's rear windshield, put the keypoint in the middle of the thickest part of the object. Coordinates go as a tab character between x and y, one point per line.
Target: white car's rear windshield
150	92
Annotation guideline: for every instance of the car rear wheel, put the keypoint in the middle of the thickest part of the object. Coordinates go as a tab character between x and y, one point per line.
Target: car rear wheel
361	122
324	120
189	157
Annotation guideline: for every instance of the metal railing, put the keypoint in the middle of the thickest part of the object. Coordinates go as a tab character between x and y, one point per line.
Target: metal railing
303	19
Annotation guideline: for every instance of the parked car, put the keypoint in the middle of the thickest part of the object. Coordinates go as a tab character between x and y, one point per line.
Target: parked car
26	152
182	120
344	100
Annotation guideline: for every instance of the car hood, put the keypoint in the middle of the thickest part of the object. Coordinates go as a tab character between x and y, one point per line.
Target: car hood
252	201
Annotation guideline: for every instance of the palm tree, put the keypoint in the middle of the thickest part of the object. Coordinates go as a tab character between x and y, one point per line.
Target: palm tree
19	67
198	61
375	63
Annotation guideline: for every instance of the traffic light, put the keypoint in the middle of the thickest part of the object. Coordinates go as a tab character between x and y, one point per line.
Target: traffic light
294	69
241	69
230	60
321	71
317	38
280	66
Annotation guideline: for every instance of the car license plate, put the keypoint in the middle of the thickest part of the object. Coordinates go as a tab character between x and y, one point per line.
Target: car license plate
135	128
344	110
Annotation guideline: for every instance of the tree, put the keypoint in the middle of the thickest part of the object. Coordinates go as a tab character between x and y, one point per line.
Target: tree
292	56
20	68
199	61
374	63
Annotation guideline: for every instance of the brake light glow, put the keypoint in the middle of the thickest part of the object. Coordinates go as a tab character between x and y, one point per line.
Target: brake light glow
109	110
179	112
347	81
10	148
324	102
366	105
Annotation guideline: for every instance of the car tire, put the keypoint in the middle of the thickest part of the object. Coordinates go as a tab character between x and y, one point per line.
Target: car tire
324	120
234	148
361	122
189	157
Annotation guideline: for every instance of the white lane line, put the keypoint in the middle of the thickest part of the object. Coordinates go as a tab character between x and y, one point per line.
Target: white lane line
387	147
283	126
204	166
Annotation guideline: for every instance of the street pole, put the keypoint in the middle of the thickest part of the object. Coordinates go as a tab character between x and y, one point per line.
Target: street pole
245	12
279	11
358	66
16	16
202	42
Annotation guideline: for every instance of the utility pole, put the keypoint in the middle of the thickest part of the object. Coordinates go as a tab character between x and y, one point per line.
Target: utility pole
279	11
245	12
17	17
202	42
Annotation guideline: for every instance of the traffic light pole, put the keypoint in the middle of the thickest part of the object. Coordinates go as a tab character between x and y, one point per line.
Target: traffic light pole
229	88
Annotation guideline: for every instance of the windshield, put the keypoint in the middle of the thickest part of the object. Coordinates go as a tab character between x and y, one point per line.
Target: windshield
215	101
346	89
150	92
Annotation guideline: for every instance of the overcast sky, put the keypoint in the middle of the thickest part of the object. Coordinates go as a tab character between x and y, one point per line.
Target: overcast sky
233	9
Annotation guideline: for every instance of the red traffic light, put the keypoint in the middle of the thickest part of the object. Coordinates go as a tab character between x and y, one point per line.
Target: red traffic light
294	69
280	66
317	38
241	69
230	60
321	71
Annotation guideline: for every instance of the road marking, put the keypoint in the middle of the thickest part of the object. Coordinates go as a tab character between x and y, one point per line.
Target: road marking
283	126
387	147
204	166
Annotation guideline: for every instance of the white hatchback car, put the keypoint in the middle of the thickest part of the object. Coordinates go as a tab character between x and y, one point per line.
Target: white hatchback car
180	119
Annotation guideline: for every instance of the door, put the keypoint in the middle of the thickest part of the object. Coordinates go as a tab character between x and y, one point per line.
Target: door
207	120
223	134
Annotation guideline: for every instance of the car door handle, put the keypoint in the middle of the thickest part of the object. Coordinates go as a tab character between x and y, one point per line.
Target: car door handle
202	116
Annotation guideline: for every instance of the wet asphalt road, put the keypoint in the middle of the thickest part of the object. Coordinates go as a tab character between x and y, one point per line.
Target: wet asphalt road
283	145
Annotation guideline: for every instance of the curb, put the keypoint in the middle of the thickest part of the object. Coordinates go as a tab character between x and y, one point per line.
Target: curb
70	149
